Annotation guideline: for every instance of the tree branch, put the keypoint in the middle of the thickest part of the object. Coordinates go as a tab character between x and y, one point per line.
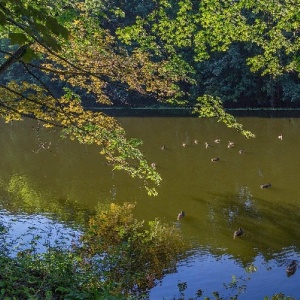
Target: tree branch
13	58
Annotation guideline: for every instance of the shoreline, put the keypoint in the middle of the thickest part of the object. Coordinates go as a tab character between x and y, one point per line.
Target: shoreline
187	112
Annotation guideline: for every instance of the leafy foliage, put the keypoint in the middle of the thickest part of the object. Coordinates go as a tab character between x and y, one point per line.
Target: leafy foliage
273	26
211	107
43	277
128	251
198	32
117	258
24	22
86	62
279	296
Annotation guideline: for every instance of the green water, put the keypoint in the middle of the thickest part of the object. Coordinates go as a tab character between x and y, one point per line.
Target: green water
217	197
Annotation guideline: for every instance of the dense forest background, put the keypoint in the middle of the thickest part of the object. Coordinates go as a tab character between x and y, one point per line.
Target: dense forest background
222	72
225	73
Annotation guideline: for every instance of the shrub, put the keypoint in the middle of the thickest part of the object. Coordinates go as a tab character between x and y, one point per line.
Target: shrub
118	257
128	251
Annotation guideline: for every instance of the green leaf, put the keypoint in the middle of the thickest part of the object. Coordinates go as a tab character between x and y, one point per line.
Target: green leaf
29	55
18	38
52	43
55	27
41	28
2	19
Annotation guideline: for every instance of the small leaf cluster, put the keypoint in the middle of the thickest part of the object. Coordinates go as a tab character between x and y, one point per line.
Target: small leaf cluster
211	107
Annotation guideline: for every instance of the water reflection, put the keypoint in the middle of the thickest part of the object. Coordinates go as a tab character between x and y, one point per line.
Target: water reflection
217	197
20	194
21	232
228	277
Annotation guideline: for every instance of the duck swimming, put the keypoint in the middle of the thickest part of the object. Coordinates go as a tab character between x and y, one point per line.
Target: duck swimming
291	268
265	186
215	159
230	144
181	215
207	145
238	232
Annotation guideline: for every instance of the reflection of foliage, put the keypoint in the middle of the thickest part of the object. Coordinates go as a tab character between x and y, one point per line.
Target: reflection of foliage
135	254
26	196
216	295
251	269
279	296
2	229
236	284
199	293
182	286
73	272
19	187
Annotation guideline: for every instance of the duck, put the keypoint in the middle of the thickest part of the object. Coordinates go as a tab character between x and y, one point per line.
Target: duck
181	215
207	145
217	141
230	144
153	165
215	159
265	185
291	268
238	232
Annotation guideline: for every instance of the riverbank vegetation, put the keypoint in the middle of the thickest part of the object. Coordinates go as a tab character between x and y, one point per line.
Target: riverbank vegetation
59	58
116	257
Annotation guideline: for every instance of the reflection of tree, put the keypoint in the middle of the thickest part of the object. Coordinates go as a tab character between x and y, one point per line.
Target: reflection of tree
22	194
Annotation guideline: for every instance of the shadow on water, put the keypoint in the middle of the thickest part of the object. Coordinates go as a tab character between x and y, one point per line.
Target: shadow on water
69	179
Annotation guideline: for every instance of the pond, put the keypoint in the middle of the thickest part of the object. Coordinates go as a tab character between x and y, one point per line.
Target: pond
41	173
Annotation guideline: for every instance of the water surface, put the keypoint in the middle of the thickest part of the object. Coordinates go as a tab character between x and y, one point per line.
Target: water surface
42	173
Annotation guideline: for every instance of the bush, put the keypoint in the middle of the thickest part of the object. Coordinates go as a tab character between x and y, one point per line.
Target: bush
129	252
117	257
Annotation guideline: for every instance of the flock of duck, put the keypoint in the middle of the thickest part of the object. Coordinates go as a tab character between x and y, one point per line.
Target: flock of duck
216	159
230	144
291	268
